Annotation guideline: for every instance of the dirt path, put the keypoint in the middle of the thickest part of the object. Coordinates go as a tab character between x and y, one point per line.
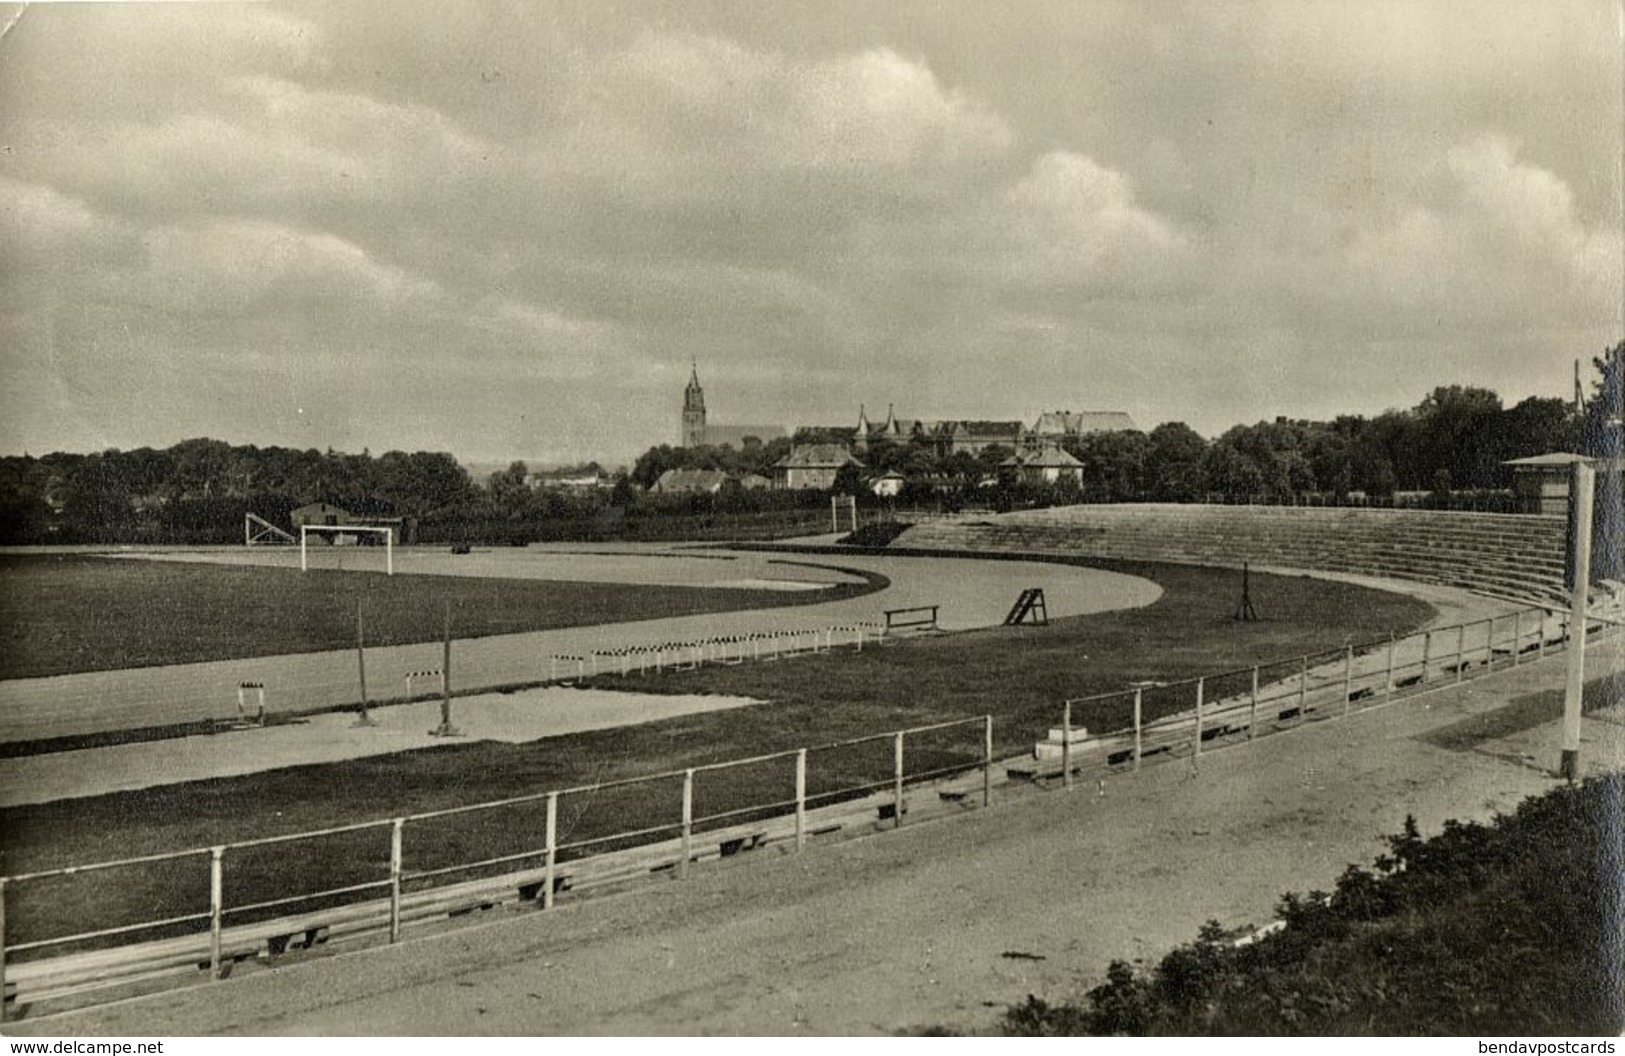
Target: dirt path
916	928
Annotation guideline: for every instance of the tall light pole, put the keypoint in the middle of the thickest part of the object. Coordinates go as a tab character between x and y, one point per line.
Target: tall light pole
1582	483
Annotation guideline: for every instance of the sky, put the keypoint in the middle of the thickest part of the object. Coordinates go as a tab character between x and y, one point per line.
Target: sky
509	230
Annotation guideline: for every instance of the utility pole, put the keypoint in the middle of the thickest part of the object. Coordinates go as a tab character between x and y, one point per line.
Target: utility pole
446	729
361	665
1582	480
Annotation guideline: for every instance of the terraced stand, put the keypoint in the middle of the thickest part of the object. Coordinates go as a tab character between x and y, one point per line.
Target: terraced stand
1510	556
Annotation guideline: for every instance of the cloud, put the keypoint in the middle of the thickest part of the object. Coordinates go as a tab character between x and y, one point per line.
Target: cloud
1505	247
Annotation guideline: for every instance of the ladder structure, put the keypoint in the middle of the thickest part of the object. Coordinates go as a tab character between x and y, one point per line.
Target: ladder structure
1029	608
257	531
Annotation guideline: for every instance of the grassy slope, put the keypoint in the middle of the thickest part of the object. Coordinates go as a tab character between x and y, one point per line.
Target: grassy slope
1507	929
1018	674
67	613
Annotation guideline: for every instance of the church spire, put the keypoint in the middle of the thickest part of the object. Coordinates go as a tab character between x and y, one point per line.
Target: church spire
693	429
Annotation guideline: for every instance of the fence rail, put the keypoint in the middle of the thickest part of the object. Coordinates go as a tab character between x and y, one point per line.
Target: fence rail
580	839
213	939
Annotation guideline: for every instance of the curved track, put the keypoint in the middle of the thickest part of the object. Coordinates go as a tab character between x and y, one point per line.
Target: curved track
971	593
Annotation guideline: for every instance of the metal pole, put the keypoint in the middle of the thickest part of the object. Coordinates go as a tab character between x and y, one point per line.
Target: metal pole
395	868
1348	678
1138	731
446	728
897	779
1581	485
2	948
1252	708
304	565
216	907
389	551
1489	646
801	798
1388	682
1196	744
987	760
361	663
550	863
688	822
1066	744
1427	654
1303	686
1461	649
1540	633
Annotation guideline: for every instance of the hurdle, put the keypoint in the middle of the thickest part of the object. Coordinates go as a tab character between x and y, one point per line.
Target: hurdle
580	663
418	676
242	703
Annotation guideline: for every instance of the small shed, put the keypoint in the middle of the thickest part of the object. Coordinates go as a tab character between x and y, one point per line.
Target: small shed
888	485
1540	483
321	513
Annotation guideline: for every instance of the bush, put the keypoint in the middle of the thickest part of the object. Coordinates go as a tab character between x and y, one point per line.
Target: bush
1507	928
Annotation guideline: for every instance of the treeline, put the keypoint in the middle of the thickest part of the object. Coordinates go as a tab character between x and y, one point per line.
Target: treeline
198	491
1503	929
1449	448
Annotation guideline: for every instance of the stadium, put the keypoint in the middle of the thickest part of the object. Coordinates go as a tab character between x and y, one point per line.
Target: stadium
380	749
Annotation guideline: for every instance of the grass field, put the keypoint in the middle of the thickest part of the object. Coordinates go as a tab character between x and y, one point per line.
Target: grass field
61	614
1020	675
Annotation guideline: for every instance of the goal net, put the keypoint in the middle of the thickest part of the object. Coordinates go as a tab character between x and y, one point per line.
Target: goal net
346	535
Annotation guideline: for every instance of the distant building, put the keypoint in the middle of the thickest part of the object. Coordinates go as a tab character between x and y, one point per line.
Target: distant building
888	485
697	432
967	435
1054	428
812	466
1048	465
321	513
327	515
973	437
700	481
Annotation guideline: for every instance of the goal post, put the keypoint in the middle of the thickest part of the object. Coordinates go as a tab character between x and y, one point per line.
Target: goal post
340	530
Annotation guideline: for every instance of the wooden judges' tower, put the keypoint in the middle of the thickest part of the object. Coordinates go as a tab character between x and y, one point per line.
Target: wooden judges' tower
693	411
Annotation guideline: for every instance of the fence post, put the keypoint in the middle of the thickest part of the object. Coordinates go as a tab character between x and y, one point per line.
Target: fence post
1348	678
1196	745
987	760
1303	686
688	821
1517	637
395	842
550	863
801	798
897	779
1252	707
1489	646
1461	649
2	949
1066	744
216	907
1427	654
1138	693
1388	684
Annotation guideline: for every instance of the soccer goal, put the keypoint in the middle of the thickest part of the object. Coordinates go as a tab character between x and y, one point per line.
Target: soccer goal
339	532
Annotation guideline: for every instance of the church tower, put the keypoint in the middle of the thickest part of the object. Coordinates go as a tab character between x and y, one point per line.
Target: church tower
693	411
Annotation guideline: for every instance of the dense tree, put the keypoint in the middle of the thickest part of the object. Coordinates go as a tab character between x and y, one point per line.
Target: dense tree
1173	464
